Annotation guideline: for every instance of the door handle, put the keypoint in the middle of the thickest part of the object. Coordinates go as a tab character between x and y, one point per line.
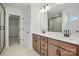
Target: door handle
27	32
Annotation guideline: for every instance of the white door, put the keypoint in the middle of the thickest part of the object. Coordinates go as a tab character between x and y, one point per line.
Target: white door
26	27
25	31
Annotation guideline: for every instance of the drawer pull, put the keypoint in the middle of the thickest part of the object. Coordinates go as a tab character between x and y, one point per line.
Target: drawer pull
58	52
44	54
35	40
43	39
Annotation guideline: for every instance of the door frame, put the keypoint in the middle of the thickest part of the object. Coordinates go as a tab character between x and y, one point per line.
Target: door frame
19	28
7	29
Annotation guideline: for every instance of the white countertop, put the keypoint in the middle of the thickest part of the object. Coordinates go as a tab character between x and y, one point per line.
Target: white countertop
60	36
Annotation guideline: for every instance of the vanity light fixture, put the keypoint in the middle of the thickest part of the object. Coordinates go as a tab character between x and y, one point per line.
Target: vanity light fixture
45	8
42	10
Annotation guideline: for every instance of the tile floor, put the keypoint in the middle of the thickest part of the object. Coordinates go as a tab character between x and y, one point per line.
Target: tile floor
18	50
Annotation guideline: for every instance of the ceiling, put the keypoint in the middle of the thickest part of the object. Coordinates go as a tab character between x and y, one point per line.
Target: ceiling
17	5
24	5
56	9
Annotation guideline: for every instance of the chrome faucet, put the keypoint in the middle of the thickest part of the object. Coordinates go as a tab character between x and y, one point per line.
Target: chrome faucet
66	33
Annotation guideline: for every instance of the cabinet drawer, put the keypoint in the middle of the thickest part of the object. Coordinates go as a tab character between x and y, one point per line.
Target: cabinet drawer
43	53
52	41
44	45
66	53
36	36
67	46
43	39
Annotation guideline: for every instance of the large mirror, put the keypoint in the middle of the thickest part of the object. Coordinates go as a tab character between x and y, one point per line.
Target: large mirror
63	17
54	16
55	22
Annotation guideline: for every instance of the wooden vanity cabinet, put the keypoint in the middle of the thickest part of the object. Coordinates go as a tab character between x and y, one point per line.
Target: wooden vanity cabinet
52	50
55	51
63	52
44	46
43	52
52	47
36	43
58	48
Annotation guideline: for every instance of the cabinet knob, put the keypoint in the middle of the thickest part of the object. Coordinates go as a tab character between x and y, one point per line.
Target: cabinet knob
58	52
35	40
43	54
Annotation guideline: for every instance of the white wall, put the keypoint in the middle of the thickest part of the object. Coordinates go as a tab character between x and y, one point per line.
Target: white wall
71	10
38	21
65	23
35	18
43	21
26	25
33	22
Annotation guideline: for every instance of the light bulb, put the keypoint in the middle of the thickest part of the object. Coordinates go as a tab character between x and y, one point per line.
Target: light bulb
42	10
47	8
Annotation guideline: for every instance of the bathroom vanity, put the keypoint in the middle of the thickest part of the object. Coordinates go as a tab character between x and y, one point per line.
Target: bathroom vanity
55	44
59	22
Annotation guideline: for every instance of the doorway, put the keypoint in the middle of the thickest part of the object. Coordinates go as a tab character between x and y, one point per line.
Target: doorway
13	29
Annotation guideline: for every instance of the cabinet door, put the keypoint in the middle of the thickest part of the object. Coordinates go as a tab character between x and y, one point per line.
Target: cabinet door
34	43
52	50
38	45
66	53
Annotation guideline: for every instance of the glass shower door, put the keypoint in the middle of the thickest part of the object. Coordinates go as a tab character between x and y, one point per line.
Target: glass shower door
1	28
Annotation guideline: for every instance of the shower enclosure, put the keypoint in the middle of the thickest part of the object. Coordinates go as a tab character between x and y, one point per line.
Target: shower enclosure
2	28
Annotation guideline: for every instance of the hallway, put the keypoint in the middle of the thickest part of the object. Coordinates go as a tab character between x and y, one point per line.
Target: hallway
13	40
18	50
